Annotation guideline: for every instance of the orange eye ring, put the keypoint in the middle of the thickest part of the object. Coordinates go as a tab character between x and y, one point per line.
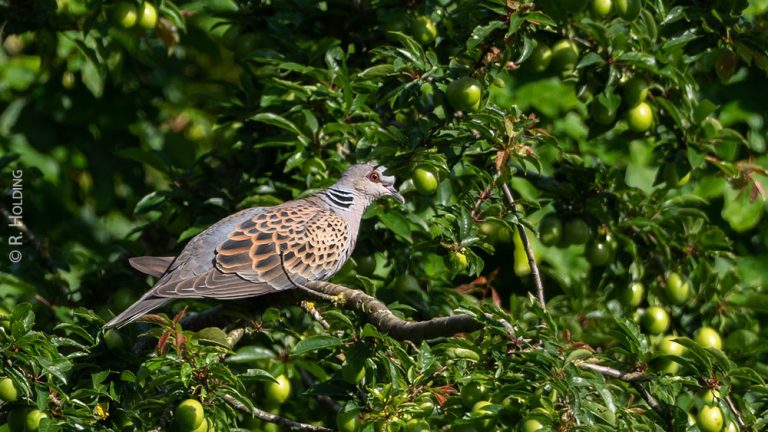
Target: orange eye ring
374	177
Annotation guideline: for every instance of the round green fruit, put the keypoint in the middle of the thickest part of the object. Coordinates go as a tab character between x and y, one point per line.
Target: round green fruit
655	320
708	337
635	91
148	16
8	391
599	253
676	289
113	340
550	230
668	346
481	409
472	393
416	425
576	231
628	9
632	295
565	53
731	427
540	58
710	419
496	232
205	426
532	425
640	117
366	264
423	30
189	415
459	261
32	420
348	421
407	282
278	392
464	93
425	181
601	8
124	14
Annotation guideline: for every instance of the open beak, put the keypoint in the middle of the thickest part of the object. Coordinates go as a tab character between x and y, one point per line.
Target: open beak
393	192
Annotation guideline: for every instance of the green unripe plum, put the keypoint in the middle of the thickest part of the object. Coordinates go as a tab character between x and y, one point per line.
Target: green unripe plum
628	9
8	391
676	289
148	16
472	393
124	14
601	8
655	320
576	231
480	408
708	337
540	58
458	261
32	421
640	117
348	421
423	30
464	93
278	392
532	425
425	181
668	346
632	295
550	230
598	253
710	419
189	415
565	54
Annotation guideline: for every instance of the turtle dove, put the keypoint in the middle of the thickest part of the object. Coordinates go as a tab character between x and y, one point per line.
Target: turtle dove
266	249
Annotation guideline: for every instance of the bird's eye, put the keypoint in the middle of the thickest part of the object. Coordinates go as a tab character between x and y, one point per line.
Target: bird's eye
374	177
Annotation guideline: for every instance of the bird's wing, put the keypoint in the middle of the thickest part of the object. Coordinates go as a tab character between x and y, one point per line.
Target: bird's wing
314	243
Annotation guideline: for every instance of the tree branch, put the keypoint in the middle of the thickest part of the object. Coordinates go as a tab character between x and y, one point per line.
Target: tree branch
383	319
739	420
271	418
528	250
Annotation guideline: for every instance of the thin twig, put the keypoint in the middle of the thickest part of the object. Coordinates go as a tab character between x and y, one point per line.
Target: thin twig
528	250
649	399
739	420
615	373
312	310
271	418
634	378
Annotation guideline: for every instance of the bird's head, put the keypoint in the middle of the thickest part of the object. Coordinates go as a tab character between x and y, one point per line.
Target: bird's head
368	179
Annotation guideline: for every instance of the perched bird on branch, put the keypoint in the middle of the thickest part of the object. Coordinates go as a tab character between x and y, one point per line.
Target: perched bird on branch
266	249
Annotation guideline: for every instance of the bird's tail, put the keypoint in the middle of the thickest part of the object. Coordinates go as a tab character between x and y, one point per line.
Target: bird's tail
153	266
136	310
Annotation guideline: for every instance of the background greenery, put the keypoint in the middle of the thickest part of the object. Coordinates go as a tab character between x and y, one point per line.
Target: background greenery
133	138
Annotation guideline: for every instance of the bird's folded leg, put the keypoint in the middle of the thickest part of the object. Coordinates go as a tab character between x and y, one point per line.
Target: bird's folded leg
335	299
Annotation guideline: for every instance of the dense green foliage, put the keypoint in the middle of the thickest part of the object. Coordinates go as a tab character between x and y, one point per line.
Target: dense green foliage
634	129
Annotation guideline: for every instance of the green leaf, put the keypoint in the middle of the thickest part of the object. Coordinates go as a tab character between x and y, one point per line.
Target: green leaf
314	343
